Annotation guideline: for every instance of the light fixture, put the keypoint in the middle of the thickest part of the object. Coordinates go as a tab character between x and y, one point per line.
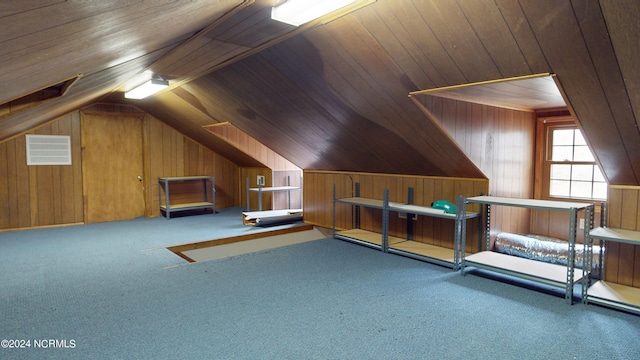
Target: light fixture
147	88
298	12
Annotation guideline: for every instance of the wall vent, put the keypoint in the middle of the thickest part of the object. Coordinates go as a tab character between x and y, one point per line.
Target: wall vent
48	150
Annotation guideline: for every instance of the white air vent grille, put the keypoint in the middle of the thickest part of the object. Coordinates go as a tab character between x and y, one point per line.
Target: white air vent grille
48	150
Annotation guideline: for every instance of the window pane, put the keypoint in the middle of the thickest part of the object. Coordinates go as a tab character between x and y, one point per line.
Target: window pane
563	137
559	188
579	139
582	172
560	172
600	190
581	189
573	172
582	153
562	153
597	175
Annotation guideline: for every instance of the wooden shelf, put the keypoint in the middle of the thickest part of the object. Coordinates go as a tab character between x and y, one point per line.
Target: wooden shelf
274	188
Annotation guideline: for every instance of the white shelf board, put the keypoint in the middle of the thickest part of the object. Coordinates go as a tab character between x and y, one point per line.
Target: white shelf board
528	203
274	188
553	273
617	235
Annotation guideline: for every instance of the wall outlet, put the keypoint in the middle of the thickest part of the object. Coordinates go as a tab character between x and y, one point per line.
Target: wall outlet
581	224
260	180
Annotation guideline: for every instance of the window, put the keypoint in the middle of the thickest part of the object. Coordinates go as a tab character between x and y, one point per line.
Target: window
570	169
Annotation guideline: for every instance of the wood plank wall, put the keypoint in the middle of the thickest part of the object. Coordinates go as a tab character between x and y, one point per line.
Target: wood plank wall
623	260
272	160
32	196
501	142
169	153
556	224
251	146
41	196
318	202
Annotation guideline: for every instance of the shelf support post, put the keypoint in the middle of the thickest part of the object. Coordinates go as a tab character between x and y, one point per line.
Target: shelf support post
459	243
587	253
487	225
604	216
333	213
166	199
573	217
385	221
288	193
248	200
462	232
410	216
213	194
357	207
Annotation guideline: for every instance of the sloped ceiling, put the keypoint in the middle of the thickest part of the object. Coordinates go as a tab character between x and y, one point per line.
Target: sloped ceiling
332	96
523	94
106	42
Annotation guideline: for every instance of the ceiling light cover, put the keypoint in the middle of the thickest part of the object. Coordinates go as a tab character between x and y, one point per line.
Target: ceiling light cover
147	89
298	12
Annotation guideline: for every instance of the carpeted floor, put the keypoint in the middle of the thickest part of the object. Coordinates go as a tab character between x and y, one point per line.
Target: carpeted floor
119	294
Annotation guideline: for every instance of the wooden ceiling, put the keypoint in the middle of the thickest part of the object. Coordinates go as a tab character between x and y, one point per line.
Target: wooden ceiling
329	96
522	94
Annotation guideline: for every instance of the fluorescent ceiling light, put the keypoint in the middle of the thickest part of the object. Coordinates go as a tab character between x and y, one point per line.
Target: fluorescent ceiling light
298	12
147	89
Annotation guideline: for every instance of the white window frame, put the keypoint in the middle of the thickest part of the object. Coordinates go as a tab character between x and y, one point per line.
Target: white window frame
545	162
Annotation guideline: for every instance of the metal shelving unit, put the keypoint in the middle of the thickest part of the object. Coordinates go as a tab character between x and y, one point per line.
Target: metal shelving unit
613	295
396	245
208	197
262	189
561	276
357	235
